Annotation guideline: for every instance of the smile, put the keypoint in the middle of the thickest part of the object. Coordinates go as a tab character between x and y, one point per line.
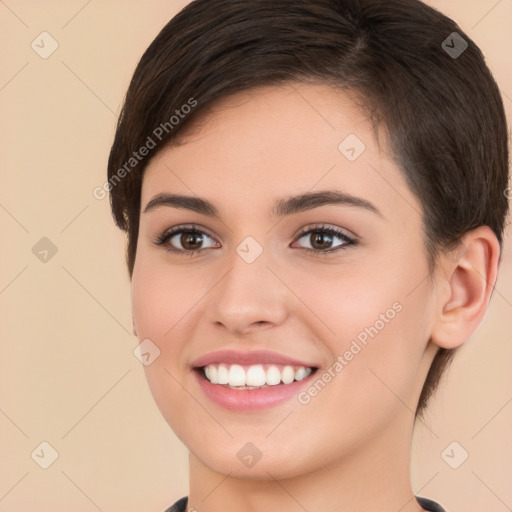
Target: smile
254	376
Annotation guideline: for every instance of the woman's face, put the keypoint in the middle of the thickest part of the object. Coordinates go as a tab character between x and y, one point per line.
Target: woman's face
266	284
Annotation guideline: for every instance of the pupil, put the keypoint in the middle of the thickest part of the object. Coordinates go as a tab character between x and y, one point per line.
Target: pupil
319	238
192	240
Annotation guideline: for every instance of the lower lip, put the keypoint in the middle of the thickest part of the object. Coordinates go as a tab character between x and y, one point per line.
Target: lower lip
250	399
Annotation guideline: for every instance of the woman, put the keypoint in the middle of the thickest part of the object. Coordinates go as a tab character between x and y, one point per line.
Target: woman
334	174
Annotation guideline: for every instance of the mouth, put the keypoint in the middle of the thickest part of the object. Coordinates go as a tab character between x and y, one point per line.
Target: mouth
249	381
256	376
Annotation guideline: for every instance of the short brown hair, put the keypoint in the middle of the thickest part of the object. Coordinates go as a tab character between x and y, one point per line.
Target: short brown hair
420	75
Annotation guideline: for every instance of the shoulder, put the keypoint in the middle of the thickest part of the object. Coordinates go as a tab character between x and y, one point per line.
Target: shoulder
427	504
179	506
430	505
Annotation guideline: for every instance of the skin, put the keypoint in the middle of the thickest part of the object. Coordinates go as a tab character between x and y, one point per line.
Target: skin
349	448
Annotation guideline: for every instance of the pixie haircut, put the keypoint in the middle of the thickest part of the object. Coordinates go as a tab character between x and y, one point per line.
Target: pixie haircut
441	110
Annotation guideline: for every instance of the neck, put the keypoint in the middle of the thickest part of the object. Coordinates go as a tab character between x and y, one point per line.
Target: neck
372	478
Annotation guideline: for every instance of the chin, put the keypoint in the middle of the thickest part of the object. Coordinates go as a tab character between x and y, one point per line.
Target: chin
237	464
259	472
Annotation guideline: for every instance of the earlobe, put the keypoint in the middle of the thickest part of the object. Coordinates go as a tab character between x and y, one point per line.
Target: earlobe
466	283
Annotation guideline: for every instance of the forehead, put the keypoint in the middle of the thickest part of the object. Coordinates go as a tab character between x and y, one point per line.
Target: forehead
271	142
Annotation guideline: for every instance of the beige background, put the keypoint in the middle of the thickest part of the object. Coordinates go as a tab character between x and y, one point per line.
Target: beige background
68	373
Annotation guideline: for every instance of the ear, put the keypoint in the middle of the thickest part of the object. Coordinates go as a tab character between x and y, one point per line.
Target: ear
465	279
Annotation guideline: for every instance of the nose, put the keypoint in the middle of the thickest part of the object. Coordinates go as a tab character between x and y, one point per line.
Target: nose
249	297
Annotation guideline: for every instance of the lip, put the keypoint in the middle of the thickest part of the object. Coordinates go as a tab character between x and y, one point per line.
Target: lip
248	358
249	399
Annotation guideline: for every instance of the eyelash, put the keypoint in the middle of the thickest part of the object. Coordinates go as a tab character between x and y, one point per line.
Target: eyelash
163	239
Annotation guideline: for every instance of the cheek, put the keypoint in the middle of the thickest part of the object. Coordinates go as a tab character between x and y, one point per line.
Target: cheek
160	303
160	299
376	325
343	303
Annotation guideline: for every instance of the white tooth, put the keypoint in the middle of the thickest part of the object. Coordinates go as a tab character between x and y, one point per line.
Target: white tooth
211	373
255	375
236	375
273	376
222	374
302	373
287	375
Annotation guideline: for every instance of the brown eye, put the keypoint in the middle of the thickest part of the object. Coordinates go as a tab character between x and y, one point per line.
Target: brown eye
191	240
321	239
184	240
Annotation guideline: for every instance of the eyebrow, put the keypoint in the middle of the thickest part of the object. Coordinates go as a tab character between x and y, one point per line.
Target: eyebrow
282	207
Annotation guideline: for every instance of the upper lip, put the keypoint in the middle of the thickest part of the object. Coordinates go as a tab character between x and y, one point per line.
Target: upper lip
248	358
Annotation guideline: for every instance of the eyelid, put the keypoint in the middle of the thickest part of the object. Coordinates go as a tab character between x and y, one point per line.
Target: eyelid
180	228
348	238
327	227
185	227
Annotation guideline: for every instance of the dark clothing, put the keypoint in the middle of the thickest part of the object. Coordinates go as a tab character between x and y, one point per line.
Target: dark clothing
431	506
